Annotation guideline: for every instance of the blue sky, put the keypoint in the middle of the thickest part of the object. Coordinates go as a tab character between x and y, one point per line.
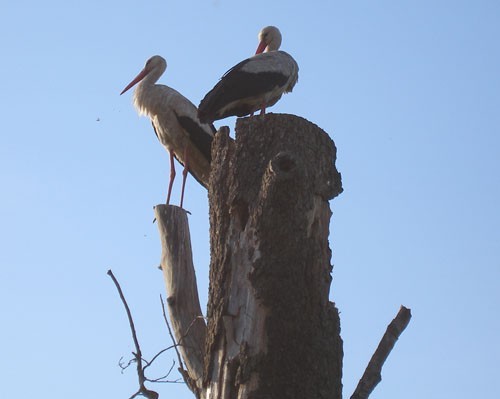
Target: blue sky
409	91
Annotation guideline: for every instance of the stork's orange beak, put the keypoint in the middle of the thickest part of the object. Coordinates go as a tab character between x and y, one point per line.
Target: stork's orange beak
136	80
262	46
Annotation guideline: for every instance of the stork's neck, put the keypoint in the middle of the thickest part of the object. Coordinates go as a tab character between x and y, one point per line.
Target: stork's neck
145	100
152	77
274	44
271	47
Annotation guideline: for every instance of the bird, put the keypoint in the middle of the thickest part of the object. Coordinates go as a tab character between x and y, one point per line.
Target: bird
255	83
175	122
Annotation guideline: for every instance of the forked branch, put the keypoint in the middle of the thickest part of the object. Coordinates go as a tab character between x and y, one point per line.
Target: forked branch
137	354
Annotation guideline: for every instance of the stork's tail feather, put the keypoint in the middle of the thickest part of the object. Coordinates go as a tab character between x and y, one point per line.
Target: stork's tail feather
207	110
204	116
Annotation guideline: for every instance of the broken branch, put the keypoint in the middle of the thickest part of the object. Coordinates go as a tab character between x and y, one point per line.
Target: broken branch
373	373
137	354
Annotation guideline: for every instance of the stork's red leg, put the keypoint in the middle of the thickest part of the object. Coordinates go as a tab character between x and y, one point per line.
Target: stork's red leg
172	176
184	173
263	109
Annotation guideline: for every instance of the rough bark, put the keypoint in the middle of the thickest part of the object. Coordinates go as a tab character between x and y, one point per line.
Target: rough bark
272	332
182	293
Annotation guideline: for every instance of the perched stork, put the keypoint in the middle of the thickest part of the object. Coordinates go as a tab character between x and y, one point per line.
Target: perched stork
255	83
175	123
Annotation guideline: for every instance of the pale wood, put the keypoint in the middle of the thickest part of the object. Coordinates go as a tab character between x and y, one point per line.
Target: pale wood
183	302
272	332
373	373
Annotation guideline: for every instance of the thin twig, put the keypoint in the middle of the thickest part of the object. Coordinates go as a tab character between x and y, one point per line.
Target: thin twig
171	335
138	354
162	379
188	329
373	373
155	357
129	314
124	366
176	381
185	375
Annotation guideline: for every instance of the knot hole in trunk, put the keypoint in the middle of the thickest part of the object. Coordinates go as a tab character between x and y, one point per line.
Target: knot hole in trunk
283	163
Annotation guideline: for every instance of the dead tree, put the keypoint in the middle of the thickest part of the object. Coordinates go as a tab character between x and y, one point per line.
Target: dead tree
271	330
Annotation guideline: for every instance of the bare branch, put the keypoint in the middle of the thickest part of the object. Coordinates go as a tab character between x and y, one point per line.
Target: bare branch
146	393
163	379
124	366
176	381
373	373
155	357
138	354
171	335
135	394
129	314
188	329
187	379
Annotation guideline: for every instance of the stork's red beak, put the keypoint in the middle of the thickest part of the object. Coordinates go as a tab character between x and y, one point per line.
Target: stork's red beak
136	80
261	48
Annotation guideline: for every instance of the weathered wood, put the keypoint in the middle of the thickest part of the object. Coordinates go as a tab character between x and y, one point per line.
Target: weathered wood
373	373
272	332
182	293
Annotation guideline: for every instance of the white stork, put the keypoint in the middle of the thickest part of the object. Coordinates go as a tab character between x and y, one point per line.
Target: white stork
175	123
255	83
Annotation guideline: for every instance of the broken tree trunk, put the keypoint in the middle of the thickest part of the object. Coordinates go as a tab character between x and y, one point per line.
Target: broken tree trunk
182	293
272	331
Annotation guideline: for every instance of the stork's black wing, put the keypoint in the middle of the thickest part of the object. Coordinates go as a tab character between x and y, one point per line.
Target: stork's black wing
198	135
239	83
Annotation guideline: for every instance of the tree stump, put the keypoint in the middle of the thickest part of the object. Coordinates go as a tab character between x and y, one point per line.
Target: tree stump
272	332
182	293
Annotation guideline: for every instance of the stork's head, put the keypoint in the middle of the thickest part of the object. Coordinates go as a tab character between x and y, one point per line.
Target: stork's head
269	39
154	67
156	62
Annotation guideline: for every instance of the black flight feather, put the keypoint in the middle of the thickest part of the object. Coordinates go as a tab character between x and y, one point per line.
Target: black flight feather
198	136
236	85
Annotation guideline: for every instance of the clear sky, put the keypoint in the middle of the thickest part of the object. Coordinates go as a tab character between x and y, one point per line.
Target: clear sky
409	91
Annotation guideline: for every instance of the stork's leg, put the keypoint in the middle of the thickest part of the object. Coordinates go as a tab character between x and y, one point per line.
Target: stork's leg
172	176
263	108
184	173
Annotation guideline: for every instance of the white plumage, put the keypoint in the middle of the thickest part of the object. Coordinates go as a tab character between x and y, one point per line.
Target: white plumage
175	122
255	83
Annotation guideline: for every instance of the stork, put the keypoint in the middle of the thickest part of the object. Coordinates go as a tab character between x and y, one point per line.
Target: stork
255	83
175	123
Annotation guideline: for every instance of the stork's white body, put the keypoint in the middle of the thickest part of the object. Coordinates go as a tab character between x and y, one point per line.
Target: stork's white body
255	83
175	122
164	106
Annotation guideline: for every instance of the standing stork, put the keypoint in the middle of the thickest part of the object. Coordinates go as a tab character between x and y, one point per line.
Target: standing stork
175	123
255	83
